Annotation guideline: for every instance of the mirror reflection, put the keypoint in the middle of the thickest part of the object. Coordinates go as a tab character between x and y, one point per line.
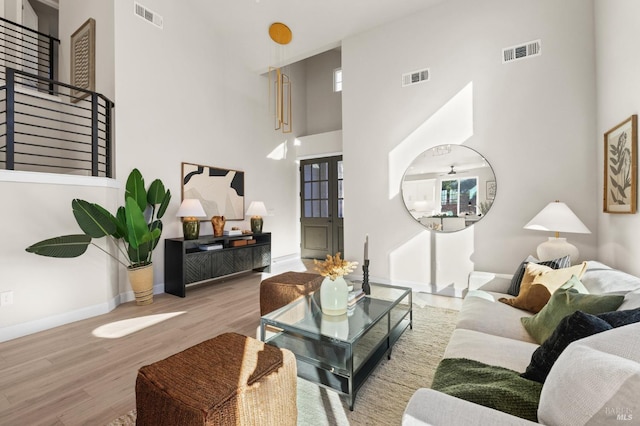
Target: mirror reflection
448	188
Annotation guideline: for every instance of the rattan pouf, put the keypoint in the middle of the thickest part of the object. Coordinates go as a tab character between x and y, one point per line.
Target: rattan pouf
282	289
228	380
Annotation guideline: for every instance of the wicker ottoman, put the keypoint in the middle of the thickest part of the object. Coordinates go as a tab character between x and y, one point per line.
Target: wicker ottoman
280	290
228	380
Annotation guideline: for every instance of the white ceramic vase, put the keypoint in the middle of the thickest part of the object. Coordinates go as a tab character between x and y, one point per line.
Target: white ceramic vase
333	296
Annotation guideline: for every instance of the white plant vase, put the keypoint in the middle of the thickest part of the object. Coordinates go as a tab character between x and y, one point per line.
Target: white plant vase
334	296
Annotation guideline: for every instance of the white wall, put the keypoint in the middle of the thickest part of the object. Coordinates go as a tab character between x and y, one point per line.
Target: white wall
532	119
50	292
618	68
181	97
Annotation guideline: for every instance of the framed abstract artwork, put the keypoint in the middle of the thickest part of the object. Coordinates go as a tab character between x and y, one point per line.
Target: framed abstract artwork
621	167
83	60
491	189
220	191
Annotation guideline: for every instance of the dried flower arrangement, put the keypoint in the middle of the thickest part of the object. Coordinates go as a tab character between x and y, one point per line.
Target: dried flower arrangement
334	267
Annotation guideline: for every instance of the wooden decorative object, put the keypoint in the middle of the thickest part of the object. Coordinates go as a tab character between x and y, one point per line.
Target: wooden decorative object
83	60
218	225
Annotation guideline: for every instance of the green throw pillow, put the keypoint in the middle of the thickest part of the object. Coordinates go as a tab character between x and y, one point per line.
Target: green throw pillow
565	301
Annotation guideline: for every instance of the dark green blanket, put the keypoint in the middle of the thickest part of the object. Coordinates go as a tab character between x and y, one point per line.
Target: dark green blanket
493	387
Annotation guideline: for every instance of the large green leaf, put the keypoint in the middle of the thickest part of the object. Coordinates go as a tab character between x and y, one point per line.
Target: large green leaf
137	229
139	256
156	231
92	219
164	204
135	189
64	246
122	224
156	192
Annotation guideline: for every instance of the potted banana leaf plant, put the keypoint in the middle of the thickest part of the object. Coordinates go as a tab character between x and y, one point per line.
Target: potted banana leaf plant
135	230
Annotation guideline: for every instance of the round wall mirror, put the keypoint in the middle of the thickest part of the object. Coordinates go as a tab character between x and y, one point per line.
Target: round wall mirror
448	188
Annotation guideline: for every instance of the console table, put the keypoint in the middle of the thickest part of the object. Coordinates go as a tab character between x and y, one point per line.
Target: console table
188	261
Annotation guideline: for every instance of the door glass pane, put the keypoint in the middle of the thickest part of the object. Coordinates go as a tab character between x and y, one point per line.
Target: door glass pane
324	190
315	190
324	208
307	172
307	191
324	171
315	172
340	189
340	213
340	169
316	208
307	209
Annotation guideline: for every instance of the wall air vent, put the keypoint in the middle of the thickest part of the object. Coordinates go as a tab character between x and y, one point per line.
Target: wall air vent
147	14
415	77
521	51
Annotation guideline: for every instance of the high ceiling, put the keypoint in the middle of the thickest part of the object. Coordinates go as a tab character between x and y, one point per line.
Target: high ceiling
317	25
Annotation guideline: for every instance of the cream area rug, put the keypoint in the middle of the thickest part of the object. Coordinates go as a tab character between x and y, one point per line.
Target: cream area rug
383	397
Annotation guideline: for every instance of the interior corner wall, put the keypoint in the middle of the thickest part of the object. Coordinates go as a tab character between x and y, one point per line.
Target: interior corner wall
618	68
323	105
533	119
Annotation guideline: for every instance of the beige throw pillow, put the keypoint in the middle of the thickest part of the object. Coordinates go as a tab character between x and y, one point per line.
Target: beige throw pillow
539	283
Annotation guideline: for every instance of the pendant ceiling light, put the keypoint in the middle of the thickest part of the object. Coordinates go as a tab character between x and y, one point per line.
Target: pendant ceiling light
279	82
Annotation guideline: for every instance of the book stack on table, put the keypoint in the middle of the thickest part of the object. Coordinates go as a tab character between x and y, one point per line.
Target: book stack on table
354	296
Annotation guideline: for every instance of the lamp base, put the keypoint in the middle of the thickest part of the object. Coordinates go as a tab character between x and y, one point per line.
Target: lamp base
191	229
555	248
256	224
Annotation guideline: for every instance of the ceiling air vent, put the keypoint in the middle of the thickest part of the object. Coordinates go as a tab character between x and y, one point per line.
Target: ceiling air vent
524	50
415	77
147	14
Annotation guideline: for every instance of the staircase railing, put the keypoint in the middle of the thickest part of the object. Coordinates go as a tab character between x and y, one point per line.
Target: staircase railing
67	130
28	50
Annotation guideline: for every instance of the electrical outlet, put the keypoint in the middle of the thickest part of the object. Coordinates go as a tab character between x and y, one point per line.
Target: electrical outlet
6	298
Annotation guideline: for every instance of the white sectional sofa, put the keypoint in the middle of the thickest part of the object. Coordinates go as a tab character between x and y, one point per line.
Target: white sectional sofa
595	380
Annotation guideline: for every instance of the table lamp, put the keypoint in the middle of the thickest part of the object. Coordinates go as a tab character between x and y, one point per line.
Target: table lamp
256	210
557	217
189	211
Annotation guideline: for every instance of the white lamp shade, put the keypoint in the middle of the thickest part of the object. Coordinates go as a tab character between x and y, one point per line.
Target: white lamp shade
557	217
256	208
191	207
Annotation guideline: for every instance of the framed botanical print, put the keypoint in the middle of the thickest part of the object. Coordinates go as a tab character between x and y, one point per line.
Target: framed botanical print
621	167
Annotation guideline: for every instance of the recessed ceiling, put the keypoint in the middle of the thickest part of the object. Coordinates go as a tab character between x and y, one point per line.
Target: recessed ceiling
317	25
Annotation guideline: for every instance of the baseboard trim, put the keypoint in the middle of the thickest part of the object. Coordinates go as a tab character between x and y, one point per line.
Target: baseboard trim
24	329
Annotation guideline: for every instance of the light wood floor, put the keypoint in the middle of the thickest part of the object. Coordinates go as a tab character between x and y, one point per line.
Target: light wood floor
67	376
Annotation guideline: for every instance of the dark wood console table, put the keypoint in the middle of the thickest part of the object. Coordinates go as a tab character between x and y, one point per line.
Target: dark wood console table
187	261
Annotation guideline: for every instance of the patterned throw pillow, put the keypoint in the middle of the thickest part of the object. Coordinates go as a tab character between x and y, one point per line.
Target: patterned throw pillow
540	282
514	288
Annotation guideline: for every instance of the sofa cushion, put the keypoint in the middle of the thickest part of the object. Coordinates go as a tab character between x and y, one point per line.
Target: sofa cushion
481	312
571	328
540	282
602	388
564	302
514	288
601	279
495	350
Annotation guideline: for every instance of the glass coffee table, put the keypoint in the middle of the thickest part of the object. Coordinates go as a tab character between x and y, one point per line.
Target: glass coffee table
340	352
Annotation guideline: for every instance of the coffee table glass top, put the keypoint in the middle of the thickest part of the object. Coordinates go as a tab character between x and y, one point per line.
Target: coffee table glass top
306	317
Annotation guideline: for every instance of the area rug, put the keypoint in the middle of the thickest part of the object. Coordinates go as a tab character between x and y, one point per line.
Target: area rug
383	397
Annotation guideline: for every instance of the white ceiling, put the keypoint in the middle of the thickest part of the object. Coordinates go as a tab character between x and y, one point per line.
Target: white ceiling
317	25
